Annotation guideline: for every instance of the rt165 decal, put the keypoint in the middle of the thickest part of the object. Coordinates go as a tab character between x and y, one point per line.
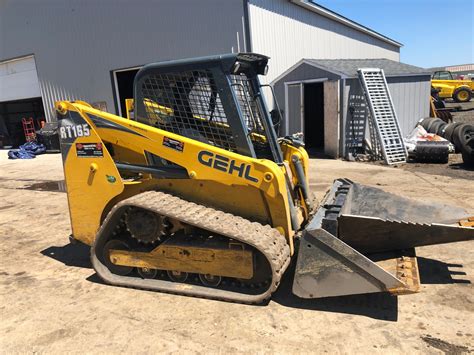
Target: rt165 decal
74	131
222	163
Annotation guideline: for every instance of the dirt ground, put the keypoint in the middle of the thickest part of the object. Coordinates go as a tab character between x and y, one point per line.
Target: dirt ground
51	301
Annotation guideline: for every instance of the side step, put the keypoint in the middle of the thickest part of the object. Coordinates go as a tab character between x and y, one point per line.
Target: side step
362	240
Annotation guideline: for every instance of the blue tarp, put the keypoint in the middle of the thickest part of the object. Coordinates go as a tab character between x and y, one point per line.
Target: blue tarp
27	151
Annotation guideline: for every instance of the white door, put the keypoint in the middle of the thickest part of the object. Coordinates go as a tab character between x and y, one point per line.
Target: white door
294	115
18	79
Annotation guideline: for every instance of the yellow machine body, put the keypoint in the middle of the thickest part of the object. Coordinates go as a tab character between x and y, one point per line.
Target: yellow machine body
94	184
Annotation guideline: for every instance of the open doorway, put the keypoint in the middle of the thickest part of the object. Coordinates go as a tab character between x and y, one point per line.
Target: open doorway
11	115
314	116
124	87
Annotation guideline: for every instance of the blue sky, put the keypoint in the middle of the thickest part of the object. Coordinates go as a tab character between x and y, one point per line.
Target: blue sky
433	32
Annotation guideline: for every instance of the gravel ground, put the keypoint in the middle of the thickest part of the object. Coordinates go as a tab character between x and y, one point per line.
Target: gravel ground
465	113
51	301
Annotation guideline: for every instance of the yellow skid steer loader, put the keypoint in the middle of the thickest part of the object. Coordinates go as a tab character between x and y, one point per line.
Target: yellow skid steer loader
197	195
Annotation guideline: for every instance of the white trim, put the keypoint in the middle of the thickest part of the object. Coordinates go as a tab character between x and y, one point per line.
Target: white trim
18	58
127	69
287	119
307	4
302	108
309	81
117	95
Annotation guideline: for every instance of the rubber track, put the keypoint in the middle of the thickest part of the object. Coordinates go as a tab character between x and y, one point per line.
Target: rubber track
265	239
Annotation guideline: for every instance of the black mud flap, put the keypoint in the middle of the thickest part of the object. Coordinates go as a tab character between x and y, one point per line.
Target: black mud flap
362	240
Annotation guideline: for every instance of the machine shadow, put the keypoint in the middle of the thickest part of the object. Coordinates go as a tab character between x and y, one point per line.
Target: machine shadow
77	255
378	306
94	278
381	306
437	272
317	153
461	166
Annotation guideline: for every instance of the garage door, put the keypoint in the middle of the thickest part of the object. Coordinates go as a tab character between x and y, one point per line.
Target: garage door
18	79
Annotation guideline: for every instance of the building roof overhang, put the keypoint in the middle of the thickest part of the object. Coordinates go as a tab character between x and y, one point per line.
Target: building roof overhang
321	10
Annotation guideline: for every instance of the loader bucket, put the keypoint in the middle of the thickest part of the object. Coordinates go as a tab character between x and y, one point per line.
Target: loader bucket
362	240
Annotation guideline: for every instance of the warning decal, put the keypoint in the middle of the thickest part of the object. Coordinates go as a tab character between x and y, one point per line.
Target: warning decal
89	150
173	144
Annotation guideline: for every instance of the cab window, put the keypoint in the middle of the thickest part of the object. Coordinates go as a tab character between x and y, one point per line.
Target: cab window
442	75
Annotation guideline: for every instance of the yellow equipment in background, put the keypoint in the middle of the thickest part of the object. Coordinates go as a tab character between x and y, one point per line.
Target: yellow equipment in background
448	87
195	194
130	109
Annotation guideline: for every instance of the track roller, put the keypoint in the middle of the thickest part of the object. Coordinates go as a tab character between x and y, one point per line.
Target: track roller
210	280
177	276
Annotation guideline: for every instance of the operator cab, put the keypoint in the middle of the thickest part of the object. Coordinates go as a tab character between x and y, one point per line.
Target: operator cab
442	75
216	100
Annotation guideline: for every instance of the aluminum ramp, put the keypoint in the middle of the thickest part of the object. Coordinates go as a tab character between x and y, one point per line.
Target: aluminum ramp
383	115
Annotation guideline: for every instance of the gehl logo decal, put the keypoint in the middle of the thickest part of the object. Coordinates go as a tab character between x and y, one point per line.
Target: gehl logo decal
222	163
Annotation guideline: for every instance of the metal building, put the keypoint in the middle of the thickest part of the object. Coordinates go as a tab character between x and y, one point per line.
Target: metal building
464	70
90	50
324	100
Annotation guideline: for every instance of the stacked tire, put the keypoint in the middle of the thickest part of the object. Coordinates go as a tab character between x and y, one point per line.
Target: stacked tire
460	134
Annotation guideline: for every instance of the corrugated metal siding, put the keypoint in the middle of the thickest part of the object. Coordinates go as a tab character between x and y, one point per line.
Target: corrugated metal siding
287	32
410	97
77	43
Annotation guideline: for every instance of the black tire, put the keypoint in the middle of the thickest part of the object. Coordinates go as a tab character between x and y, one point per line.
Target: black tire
462	95
434	125
425	122
449	131
457	145
468	159
438	127
431	152
464	139
441	129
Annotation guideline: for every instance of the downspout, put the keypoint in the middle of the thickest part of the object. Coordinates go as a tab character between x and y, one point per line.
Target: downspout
246	24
